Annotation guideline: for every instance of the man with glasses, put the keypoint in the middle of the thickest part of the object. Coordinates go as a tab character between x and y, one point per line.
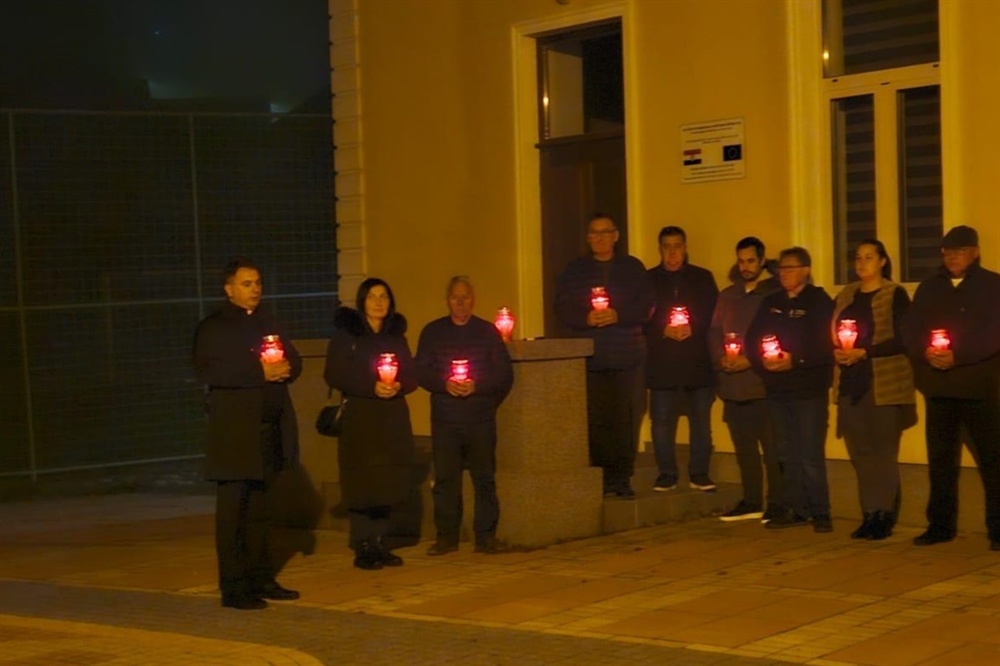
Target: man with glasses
790	346
952	334
613	318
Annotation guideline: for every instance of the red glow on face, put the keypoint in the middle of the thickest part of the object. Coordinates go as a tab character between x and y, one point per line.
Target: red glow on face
505	323
599	298
679	316
847	333
940	339
388	366
770	346
733	345
272	351
460	370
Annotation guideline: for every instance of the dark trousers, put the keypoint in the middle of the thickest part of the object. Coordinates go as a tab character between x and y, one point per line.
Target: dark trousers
471	445
615	406
243	517
872	435
749	424
945	419
368	526
800	434
665	409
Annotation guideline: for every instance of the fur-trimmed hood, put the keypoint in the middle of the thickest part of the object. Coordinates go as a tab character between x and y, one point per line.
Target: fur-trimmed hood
352	321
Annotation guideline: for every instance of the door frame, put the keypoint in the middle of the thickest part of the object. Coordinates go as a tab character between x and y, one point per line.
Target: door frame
528	201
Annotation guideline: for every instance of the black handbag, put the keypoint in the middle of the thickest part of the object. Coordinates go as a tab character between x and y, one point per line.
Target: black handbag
328	421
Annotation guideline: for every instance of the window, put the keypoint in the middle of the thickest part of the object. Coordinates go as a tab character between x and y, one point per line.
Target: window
882	90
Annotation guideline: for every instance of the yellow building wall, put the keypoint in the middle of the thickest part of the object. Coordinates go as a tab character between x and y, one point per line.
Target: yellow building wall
437	103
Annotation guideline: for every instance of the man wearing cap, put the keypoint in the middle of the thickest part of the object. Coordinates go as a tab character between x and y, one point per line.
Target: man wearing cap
959	375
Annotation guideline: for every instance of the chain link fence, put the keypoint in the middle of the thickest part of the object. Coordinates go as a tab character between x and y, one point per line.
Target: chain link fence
114	228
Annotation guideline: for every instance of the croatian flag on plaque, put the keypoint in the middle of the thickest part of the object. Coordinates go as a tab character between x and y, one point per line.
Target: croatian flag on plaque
692	157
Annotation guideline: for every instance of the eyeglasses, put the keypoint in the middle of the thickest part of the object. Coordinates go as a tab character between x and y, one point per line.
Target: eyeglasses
789	267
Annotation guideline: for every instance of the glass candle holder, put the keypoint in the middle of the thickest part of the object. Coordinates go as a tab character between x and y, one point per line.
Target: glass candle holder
460	370
271	350
599	298
732	344
940	339
504	322
770	347
679	316
847	333
387	367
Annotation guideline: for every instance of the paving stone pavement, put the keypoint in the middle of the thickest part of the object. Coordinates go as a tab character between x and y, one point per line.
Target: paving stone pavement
131	580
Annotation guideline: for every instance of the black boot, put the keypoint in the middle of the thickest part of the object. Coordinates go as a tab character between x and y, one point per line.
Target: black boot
865	529
386	556
881	526
366	556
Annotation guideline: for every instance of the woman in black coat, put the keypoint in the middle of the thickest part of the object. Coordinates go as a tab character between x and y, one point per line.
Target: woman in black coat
376	443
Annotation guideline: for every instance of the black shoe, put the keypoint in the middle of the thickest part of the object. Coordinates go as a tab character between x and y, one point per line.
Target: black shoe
243	602
389	558
665	483
786	519
491	546
625	491
702	482
743	511
772	512
881	526
931	537
274	591
367	557
822	523
443	547
865	529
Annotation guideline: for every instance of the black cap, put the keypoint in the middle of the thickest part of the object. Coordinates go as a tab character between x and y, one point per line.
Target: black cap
960	236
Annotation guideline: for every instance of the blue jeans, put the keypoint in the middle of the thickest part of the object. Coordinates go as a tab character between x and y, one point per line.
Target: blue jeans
665	408
800	434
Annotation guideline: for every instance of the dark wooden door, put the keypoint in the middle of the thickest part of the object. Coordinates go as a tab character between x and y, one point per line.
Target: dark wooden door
580	176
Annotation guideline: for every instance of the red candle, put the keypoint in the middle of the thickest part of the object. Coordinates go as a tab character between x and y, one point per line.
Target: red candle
733	345
940	340
599	298
460	370
847	333
505	323
770	346
272	351
679	316
388	366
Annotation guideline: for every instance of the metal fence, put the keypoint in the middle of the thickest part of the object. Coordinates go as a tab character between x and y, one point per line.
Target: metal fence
113	231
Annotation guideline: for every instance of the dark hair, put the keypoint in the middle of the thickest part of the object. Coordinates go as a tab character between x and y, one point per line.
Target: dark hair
799	253
754	242
234	265
880	249
363	290
671	231
603	216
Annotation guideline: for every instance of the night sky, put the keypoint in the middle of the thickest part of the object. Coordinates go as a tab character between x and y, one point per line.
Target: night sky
274	51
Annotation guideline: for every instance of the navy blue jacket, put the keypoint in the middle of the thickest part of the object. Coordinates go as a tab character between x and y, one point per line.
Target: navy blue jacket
621	345
443	341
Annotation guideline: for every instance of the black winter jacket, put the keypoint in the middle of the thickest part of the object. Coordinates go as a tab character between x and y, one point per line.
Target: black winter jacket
621	345
970	312
802	325
441	342
684	364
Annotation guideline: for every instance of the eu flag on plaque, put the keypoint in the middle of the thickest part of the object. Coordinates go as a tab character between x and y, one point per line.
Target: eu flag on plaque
732	153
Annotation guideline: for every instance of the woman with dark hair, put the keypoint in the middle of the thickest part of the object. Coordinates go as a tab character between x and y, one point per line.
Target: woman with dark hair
375	450
875	394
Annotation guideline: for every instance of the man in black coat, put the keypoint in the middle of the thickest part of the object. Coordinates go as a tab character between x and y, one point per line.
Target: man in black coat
252	433
960	380
678	366
615	390
463	415
797	379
